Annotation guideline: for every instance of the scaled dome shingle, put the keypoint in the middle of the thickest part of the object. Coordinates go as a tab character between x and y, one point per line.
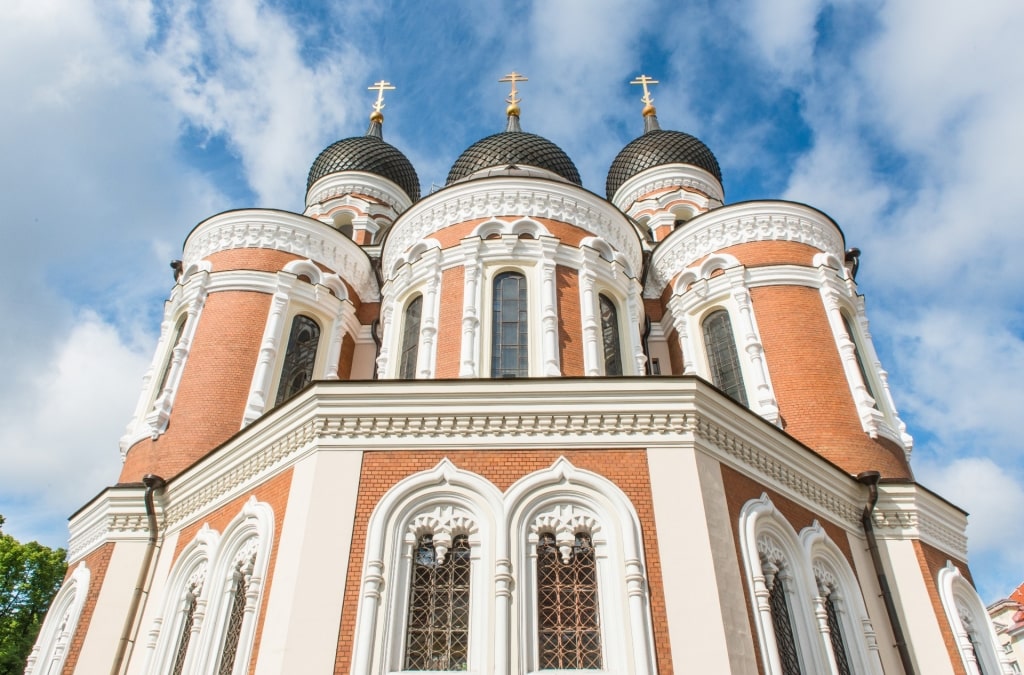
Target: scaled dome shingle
514	147
655	148
370	154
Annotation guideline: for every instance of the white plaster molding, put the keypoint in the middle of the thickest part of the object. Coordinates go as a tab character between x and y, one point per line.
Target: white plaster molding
51	647
116	514
520	198
686	176
906	512
288	232
739	224
771	548
343	183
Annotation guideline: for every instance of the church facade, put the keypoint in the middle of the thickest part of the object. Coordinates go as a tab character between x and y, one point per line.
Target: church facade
516	426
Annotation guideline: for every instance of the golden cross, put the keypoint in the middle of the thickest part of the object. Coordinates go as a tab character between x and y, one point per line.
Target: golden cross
513	77
381	87
643	81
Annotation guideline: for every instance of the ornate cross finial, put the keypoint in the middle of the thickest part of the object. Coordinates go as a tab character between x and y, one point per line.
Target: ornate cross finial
643	81
381	87
513	77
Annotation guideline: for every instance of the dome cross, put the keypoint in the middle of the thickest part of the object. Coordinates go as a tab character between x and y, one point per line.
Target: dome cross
381	87
643	81
513	77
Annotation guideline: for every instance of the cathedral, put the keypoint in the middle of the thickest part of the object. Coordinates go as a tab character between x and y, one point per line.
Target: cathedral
513	426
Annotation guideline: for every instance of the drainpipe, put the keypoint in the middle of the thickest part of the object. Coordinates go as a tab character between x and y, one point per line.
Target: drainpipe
152	483
870	479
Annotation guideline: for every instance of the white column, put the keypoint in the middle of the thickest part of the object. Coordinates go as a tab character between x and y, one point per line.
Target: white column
257	402
549	311
471	310
768	408
589	321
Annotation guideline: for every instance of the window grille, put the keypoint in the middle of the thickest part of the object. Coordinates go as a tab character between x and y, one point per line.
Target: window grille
723	359
836	636
299	358
569	633
509	339
783	626
437	637
410	339
860	362
976	651
610	335
191	597
240	584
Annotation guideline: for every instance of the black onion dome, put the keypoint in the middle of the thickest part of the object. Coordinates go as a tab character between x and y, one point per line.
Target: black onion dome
655	148
370	154
516	148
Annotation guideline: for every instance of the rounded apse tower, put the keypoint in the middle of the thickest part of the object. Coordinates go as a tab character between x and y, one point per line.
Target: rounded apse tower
266	302
758	298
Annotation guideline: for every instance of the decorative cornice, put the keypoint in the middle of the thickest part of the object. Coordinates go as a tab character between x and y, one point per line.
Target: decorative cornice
664	176
739	224
283	231
906	511
507	197
117	514
336	185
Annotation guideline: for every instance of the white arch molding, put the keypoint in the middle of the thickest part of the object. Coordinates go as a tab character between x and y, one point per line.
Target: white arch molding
51	648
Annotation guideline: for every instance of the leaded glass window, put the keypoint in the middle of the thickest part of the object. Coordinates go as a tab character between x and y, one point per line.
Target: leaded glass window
610	337
976	651
510	340
191	598
860	362
836	636
437	636
568	632
236	614
299	358
783	626
410	339
723	359
178	331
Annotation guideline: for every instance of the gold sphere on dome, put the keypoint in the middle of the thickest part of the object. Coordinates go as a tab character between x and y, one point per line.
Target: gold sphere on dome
649	110
377	116
513	109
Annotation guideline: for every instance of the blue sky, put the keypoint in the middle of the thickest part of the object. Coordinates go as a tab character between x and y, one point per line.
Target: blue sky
125	122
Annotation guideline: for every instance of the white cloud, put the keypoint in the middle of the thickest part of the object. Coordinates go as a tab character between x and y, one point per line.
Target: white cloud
60	436
783	32
992	495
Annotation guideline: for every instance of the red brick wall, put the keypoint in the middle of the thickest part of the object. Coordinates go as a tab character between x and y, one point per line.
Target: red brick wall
626	468
814	396
931	561
348	349
570	324
97	562
214	386
449	323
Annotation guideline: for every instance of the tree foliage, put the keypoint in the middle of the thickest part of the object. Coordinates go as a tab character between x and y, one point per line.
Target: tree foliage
30	575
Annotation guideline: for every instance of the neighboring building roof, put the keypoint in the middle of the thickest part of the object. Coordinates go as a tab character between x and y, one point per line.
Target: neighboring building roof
655	148
369	153
517	148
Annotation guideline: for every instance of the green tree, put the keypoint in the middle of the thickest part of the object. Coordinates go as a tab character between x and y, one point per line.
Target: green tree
30	575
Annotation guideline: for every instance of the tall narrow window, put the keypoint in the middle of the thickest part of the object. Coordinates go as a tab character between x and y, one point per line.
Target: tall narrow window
836	636
510	340
569	635
437	636
236	614
782	622
299	358
178	331
195	588
610	337
860	362
410	339
722	357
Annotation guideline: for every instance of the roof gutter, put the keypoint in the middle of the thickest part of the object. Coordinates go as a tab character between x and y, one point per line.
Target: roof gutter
870	479
129	632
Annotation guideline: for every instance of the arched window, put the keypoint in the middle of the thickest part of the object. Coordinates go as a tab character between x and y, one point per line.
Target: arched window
437	633
299	358
835	633
860	361
723	360
776	581
59	626
195	590
568	630
410	339
241	575
179	329
610	337
509	339
972	631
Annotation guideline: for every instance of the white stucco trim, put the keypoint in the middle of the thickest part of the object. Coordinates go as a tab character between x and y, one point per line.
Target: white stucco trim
51	647
968	619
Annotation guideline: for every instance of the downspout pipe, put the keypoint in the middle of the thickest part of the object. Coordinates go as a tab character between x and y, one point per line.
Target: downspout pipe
870	479
152	483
